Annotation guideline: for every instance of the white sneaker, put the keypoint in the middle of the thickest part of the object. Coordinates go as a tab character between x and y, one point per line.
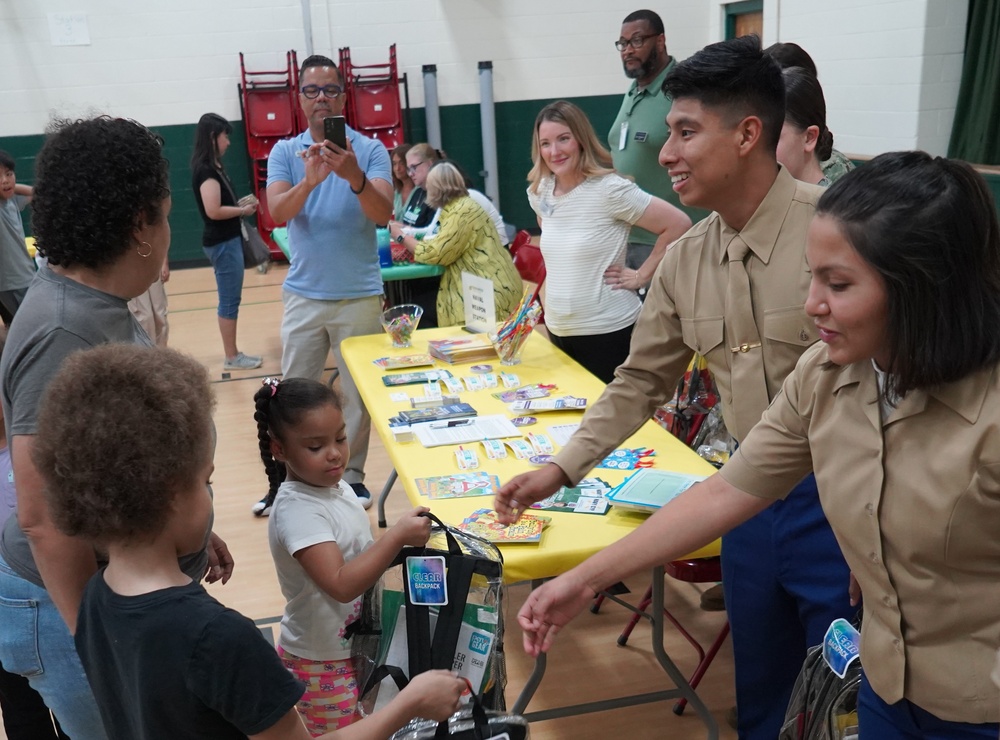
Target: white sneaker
243	362
363	494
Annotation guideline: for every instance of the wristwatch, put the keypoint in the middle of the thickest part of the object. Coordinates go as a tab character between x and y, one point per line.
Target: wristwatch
399	239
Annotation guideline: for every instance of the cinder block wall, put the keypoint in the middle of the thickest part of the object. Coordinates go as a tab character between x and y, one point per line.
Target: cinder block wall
890	68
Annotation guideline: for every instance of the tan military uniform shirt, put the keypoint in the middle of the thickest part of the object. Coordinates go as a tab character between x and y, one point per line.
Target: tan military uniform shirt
915	503
684	313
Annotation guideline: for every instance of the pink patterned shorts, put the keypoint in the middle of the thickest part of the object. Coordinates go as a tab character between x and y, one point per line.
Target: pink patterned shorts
330	700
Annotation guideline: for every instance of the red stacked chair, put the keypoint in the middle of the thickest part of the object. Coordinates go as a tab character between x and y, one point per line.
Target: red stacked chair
372	104
270	103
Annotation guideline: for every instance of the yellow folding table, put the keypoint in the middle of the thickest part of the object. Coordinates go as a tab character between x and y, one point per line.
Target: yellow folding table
570	538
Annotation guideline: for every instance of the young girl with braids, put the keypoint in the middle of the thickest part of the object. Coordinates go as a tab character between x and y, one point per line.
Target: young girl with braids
321	542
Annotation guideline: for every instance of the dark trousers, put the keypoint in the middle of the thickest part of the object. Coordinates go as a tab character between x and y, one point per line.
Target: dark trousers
904	720
601	354
423	292
785	581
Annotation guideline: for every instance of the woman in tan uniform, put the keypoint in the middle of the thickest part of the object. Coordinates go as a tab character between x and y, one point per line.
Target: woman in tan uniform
897	410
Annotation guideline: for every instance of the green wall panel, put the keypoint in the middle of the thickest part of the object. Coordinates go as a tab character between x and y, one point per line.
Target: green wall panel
461	136
185	223
460	133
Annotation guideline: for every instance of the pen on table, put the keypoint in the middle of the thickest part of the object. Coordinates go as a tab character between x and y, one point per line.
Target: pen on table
449	424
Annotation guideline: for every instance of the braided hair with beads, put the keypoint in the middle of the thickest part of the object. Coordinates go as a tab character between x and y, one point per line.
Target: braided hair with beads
278	406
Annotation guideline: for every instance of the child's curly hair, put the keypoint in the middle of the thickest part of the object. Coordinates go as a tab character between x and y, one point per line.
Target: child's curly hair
122	429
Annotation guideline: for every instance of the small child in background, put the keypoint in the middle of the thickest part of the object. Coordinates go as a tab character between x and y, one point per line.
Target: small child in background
321	542
25	716
124	445
17	269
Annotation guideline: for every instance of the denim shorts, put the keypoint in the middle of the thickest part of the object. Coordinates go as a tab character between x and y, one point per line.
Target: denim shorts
227	261
35	643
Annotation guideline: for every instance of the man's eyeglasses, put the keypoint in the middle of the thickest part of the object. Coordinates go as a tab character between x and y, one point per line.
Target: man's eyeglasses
312	91
636	42
411	168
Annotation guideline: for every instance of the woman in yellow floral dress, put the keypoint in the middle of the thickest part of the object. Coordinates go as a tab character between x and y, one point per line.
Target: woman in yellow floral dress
467	241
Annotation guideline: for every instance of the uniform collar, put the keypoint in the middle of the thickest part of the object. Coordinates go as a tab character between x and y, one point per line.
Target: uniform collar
965	397
655	87
762	230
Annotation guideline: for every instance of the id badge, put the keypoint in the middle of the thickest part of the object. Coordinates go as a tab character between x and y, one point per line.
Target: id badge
623	136
426	578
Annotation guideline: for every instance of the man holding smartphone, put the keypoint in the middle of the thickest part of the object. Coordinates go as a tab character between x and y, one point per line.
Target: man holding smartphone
332	197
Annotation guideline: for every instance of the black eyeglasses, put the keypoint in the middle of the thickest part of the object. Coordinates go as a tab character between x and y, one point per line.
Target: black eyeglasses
410	169
636	42
312	91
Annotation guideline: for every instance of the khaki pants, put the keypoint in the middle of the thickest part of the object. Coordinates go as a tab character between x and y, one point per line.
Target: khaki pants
150	310
310	329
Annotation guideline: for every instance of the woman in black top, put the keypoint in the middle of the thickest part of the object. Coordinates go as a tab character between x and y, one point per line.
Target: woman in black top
221	240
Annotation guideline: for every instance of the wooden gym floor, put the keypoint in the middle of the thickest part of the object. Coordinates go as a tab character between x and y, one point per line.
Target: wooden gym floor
585	665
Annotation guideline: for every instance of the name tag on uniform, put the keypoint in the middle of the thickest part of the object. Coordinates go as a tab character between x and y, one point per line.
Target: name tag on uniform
641	135
623	136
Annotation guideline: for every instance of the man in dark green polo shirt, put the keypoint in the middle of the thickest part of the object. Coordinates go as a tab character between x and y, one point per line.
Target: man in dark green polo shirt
640	130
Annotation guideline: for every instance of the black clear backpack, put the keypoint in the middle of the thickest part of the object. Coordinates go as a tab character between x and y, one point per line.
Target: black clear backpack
824	705
396	638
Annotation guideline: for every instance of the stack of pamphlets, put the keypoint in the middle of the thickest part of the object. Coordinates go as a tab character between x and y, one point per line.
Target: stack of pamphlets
418	376
470	348
483	523
458	485
647	490
566	403
587	497
403	361
433	413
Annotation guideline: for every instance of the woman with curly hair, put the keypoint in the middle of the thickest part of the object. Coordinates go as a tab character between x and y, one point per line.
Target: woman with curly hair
101	201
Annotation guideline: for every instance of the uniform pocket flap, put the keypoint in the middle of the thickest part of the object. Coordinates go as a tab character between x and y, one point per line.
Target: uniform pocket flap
702	335
790	325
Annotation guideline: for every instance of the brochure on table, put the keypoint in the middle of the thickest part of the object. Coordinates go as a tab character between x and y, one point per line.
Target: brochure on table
479	428
647	490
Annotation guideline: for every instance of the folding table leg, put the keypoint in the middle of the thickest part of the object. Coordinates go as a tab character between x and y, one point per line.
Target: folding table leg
531	685
383	496
668	665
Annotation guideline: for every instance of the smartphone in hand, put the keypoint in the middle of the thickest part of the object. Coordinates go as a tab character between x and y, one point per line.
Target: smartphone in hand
334	131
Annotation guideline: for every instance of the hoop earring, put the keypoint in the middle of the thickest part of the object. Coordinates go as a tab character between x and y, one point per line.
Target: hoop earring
149	249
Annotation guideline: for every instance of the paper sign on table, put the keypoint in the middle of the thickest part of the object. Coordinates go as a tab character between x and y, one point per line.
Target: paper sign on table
480	306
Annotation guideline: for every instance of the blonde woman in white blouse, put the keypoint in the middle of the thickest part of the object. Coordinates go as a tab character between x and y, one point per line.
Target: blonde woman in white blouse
586	210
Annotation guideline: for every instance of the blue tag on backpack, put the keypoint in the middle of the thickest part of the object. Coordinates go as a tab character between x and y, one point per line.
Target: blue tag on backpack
841	646
426	577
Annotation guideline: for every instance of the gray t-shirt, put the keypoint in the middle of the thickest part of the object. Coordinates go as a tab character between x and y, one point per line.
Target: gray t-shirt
58	317
16	267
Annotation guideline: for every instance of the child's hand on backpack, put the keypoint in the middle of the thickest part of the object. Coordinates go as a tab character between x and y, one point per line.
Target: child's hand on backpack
413	529
435	694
